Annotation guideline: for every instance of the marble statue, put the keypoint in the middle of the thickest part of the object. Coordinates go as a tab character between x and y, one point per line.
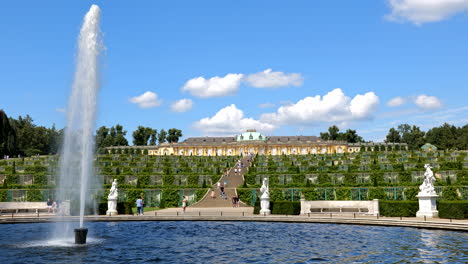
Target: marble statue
427	195
427	187
265	197
112	199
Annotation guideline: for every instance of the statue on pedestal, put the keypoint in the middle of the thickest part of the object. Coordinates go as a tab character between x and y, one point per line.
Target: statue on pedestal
427	187
112	199
265	198
427	195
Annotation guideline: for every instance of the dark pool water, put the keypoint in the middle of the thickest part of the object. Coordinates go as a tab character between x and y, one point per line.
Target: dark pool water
233	242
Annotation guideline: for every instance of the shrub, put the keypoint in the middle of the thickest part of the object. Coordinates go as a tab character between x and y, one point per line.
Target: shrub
170	198
343	193
199	193
33	195
3	195
122	208
245	195
40	179
285	207
398	208
310	194
376	193
410	193
276	195
453	209
450	194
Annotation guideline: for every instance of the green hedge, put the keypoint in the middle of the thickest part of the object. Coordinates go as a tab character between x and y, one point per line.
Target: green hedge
398	208
453	209
33	195
281	207
245	195
285	208
169	198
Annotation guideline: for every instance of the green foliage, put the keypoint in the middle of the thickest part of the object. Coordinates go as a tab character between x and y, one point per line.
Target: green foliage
33	195
123	208
168	180
245	195
193	180
40	179
410	193
450	194
276	195
398	208
3	195
343	193
170	197
453	209
173	135
285	208
199	193
376	193
310	194
142	135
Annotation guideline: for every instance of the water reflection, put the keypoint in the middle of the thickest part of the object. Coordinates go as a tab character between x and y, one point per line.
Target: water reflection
232	242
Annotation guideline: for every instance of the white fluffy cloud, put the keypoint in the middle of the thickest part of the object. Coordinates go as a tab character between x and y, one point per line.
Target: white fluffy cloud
427	102
230	120
270	79
423	11
335	106
146	100
213	87
397	101
182	105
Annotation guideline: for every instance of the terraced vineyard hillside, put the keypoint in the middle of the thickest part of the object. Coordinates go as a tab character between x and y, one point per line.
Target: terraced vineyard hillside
357	176
163	180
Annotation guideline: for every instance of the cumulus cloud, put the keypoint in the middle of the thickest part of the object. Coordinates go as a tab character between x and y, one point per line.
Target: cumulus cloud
213	87
182	105
335	106
397	101
266	105
424	11
427	102
270	79
146	100
230	120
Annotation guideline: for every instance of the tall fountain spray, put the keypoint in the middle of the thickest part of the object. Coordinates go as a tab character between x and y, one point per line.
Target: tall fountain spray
76	160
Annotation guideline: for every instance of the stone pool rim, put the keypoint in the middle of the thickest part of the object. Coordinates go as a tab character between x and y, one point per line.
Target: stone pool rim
441	224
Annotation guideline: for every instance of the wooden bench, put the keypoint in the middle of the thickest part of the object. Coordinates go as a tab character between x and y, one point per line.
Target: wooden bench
22	206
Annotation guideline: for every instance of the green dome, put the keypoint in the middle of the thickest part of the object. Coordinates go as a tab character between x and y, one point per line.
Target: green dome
250	135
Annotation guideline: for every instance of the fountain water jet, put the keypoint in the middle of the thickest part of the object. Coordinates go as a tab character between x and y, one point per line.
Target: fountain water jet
76	160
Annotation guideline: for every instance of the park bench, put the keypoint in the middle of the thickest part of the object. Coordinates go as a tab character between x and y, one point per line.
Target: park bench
341	207
17	207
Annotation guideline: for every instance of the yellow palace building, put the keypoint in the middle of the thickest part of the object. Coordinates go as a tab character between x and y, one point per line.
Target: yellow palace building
254	142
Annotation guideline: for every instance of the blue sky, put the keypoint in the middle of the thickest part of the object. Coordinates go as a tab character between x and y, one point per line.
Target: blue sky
283	67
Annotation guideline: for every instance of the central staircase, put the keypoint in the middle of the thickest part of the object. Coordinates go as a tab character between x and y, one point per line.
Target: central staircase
233	180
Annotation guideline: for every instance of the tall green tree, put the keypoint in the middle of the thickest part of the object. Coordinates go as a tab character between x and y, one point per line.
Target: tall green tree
393	136
173	135
162	136
142	135
120	139
7	136
334	133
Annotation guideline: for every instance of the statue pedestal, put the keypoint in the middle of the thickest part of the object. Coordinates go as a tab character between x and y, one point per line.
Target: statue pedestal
265	205
427	205
112	207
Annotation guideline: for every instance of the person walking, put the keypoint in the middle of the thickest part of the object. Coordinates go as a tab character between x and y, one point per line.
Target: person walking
213	194
139	204
184	203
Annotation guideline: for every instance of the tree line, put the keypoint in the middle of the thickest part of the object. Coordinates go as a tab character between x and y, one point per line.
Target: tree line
21	137
444	137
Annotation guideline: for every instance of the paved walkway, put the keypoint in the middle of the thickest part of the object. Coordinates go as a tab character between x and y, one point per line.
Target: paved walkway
245	214
233	180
